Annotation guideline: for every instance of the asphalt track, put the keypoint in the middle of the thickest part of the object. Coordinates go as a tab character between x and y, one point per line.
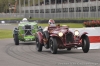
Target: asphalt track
25	54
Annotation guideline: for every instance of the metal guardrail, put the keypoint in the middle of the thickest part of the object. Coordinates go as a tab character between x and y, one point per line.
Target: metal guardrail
11	15
71	15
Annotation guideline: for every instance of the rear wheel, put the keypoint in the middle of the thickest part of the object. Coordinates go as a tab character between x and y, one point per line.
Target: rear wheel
53	45
38	45
16	39
46	34
85	44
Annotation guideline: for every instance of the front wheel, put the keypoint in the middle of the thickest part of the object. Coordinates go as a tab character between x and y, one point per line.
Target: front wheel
16	39
85	44
53	45
38	45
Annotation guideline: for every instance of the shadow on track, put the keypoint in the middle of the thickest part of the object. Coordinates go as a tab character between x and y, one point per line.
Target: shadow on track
26	43
77	51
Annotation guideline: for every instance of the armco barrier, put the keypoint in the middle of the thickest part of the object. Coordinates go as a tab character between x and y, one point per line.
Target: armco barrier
46	21
94	35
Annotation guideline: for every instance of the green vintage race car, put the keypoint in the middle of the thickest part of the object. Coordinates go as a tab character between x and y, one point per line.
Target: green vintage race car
25	32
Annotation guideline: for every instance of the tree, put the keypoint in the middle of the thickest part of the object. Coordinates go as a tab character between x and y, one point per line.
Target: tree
4	4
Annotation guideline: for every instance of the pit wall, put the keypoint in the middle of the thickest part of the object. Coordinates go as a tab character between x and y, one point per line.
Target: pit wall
93	33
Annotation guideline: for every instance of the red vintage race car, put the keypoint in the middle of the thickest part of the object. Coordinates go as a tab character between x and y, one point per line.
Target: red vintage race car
60	37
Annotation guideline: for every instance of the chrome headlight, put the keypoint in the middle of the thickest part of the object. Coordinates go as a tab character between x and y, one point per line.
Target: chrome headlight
76	32
60	34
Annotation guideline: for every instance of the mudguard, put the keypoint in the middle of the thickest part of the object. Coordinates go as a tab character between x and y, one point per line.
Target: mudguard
84	33
15	31
40	37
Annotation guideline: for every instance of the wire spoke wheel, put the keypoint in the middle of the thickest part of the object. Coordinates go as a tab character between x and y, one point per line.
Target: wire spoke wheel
85	44
38	45
53	45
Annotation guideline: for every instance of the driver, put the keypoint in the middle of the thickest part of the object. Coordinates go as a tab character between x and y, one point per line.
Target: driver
24	20
51	23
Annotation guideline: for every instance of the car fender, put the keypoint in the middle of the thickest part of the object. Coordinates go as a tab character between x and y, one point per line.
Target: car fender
40	36
15	31
84	33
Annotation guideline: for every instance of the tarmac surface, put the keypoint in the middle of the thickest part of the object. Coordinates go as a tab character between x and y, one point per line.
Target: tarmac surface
25	54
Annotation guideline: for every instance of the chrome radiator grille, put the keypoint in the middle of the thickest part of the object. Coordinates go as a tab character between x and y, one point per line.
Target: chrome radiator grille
28	30
69	38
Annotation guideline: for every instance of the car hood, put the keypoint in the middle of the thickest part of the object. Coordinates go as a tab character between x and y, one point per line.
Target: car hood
27	23
60	30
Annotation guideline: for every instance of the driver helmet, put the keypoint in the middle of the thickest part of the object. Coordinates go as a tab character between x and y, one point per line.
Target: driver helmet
24	20
51	22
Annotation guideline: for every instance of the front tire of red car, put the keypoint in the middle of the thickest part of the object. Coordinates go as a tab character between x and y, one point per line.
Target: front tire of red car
38	45
85	44
16	39
53	45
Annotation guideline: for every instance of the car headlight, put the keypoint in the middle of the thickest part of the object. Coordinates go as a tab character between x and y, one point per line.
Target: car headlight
60	34
76	32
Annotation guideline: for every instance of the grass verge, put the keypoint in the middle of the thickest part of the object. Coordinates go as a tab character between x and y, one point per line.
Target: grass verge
4	33
71	25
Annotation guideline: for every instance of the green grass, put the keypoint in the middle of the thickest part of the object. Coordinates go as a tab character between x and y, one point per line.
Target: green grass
5	33
71	25
10	18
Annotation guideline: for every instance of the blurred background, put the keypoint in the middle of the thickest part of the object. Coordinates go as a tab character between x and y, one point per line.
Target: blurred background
71	9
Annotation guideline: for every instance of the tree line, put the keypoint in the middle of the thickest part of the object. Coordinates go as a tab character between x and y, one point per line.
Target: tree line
5	4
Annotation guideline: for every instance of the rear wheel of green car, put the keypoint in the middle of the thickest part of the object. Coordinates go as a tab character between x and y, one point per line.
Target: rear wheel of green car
16	39
38	45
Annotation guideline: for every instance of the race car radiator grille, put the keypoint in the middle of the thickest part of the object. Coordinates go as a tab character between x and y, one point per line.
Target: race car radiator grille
28	30
69	38
27	26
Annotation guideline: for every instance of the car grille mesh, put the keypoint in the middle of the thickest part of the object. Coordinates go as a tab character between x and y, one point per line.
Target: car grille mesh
28	30
69	38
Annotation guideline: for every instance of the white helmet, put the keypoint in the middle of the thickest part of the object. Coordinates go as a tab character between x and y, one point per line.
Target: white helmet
25	20
51	22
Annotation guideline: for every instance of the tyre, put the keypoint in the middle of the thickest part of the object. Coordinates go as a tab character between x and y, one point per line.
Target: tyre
85	44
68	49
46	34
16	39
46	46
38	45
53	45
